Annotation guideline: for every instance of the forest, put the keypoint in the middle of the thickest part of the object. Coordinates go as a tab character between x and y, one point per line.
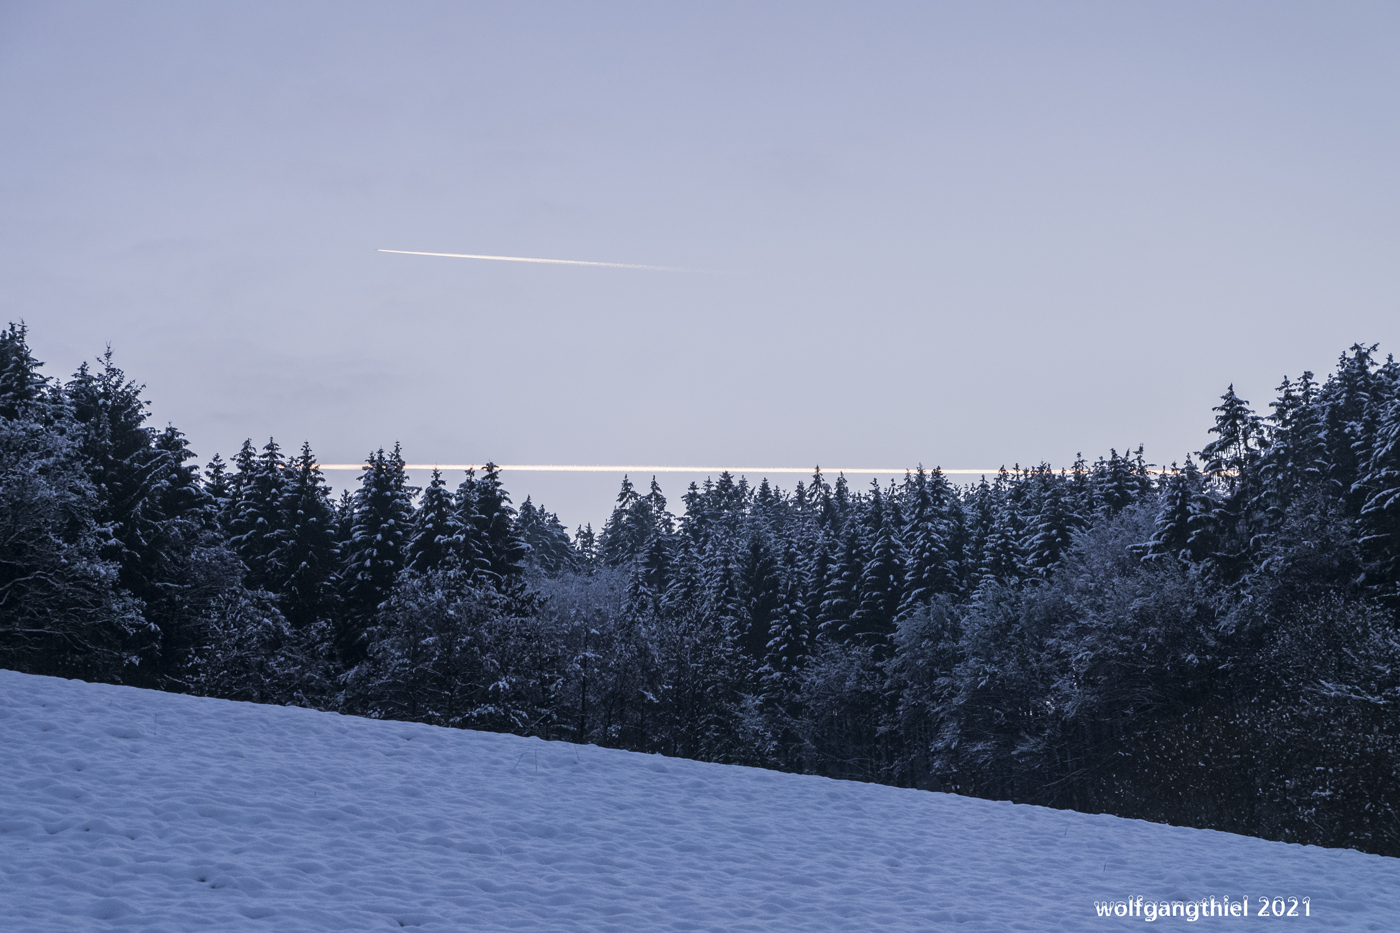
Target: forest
1210	645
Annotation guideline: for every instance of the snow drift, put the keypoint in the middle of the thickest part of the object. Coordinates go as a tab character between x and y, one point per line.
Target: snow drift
131	809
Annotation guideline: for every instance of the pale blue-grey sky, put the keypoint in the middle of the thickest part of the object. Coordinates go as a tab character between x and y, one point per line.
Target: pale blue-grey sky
963	234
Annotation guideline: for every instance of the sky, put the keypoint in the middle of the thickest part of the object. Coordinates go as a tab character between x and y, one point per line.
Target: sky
956	234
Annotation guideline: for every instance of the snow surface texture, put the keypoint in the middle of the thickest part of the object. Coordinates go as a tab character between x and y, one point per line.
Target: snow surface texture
131	809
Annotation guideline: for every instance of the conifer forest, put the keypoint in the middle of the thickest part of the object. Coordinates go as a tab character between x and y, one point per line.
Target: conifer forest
1212	645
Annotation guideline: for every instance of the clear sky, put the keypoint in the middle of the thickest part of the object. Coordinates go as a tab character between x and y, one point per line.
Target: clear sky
963	234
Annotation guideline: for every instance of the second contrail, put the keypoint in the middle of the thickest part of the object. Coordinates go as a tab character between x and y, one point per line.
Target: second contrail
590	468
555	262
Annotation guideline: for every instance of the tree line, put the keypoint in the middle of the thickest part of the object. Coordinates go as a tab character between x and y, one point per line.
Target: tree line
1211	645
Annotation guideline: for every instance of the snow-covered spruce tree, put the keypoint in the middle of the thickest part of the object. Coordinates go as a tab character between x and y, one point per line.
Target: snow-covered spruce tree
841	588
816	570
768	505
1380	513
258	520
187	566
791	641
1171	533
61	610
1349	418
375	553
1053	526
635	522
436	541
662	520
245	467
727	502
842	502
623	536
21	385
1002	559
929	569
550	550
723	598
685	585
116	445
586	544
979	515
789	650
1223	524
881	588
819	501
1240	436
1116	483
650	576
476	565
761	586
219	485
305	556
1296	459
164	539
503	550
694	522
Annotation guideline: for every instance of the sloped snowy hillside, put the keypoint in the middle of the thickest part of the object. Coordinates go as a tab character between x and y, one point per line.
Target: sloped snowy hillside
130	809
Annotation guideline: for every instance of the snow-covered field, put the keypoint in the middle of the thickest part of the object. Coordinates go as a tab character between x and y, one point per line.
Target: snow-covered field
123	808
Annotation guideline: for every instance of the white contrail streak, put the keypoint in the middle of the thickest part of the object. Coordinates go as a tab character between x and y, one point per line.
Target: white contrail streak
1153	469
562	468
556	262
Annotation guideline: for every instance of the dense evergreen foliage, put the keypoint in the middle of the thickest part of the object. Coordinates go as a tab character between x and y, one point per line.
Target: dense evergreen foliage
1213	645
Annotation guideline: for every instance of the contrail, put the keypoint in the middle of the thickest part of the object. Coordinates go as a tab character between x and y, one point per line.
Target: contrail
1153	469
571	468
557	262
